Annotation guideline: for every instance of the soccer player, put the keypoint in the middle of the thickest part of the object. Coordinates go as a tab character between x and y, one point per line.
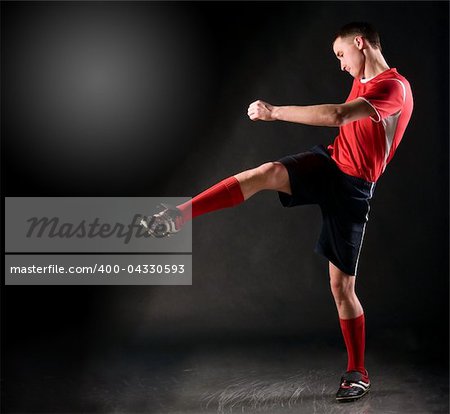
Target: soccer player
339	178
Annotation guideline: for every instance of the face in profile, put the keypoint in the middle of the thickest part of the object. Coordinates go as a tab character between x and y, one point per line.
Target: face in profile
349	51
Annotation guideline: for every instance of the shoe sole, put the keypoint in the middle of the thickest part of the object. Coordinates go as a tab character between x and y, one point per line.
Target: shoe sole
350	399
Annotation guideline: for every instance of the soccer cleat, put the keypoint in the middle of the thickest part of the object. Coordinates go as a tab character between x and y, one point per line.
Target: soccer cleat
353	386
164	223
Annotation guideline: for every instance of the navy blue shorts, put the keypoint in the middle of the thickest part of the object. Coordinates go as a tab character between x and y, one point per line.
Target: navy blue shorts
343	199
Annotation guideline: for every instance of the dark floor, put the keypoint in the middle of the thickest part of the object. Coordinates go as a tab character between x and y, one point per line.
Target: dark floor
272	377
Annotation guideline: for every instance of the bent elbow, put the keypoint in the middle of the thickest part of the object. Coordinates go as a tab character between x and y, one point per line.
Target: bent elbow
340	117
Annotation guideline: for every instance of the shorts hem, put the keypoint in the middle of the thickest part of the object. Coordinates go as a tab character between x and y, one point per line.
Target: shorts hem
348	271
286	199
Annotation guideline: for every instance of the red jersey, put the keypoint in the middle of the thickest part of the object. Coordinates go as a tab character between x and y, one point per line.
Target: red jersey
363	148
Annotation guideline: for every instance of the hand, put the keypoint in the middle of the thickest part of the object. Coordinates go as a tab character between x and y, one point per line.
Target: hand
260	110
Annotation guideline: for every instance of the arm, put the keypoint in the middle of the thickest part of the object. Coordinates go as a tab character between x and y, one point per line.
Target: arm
332	115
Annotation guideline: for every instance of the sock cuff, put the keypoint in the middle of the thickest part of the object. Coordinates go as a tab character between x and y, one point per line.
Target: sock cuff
234	188
359	318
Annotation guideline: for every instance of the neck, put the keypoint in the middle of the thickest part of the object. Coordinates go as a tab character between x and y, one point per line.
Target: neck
374	65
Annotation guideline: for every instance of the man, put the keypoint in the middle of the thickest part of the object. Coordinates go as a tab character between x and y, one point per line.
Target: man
340	178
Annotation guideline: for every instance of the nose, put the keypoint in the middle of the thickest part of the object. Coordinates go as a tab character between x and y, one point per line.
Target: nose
343	66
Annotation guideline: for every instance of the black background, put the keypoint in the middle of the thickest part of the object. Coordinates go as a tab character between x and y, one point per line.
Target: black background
171	121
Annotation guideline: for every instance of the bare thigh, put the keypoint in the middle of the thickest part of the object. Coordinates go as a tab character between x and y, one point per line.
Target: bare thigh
269	176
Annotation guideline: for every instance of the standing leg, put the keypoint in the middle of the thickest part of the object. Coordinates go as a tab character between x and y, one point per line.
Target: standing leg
355	382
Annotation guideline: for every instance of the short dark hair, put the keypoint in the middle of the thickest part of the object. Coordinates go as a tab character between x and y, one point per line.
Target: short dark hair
363	29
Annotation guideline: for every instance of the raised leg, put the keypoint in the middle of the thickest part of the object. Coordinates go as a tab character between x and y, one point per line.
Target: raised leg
237	188
226	193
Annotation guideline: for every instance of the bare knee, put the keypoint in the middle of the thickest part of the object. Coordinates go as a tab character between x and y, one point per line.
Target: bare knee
268	176
342	285
274	175
341	290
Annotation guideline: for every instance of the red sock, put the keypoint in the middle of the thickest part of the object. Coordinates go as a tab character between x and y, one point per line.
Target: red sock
354	338
226	193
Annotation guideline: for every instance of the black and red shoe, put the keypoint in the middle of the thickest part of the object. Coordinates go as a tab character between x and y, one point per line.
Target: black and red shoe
163	224
354	385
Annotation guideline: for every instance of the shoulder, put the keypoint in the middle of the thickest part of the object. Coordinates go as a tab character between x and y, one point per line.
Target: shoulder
392	75
390	83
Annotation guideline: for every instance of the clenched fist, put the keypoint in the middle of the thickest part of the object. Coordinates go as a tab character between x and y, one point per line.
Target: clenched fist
260	110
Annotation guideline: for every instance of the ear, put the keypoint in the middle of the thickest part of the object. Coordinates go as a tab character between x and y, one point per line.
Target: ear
359	42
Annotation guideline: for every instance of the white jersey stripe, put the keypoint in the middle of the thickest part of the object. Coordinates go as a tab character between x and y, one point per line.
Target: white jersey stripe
390	126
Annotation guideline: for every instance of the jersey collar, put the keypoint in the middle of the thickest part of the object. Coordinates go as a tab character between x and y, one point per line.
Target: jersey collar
365	80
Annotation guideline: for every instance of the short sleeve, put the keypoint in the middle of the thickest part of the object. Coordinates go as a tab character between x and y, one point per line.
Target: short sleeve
386	96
